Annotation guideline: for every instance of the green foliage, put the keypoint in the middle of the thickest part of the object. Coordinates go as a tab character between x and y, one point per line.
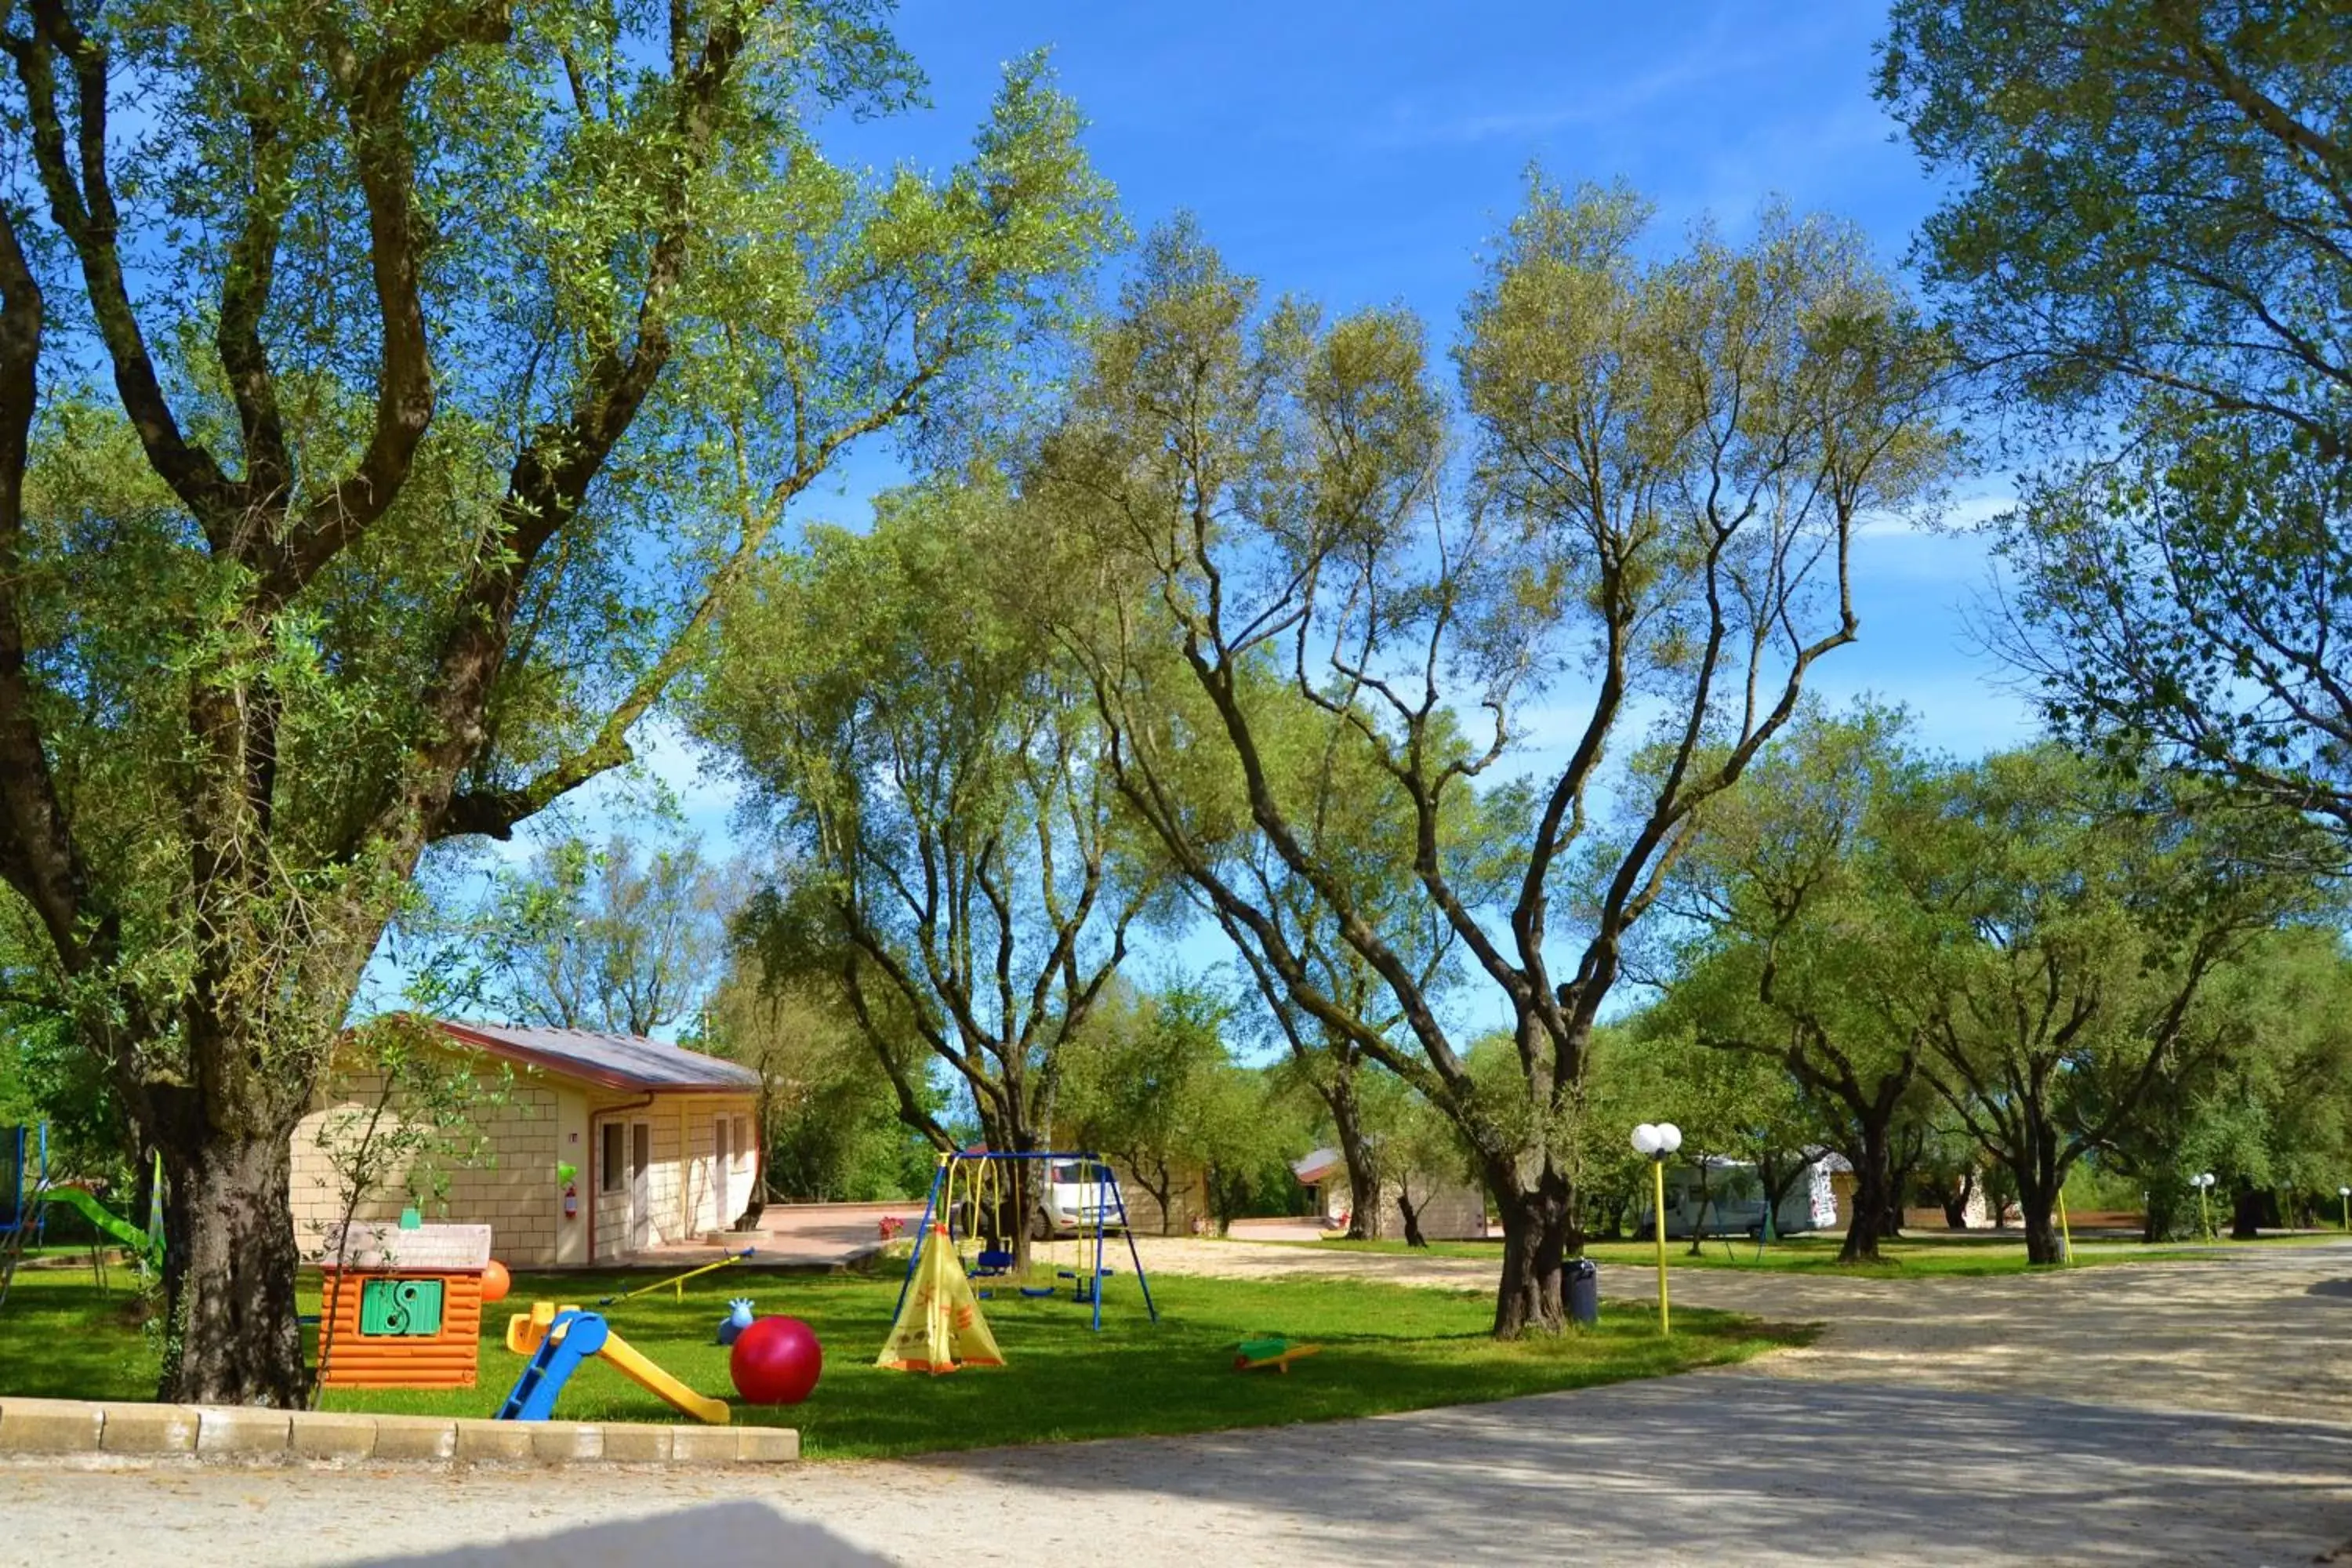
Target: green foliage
2082	929
2046	944
2145	196
2272	1109
933	759
602	940
2149	238
1143	1082
831	1128
1789	926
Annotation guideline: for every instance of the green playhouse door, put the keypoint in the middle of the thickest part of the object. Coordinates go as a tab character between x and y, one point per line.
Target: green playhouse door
400	1307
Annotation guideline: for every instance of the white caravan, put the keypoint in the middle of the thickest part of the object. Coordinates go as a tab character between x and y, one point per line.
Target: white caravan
1727	1199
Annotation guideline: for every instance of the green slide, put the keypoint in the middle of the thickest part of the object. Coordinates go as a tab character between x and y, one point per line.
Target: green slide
121	1230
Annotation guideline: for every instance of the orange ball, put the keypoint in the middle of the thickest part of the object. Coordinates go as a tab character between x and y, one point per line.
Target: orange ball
495	1282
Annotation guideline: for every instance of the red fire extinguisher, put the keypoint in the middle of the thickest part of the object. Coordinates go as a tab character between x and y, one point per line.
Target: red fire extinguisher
571	1200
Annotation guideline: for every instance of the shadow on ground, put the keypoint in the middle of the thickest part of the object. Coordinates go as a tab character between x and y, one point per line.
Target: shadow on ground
1747	1469
719	1535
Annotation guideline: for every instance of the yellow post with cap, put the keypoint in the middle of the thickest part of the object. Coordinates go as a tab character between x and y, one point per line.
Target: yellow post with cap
1658	1209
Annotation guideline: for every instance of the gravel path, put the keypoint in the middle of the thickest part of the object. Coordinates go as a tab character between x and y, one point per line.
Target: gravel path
2248	1331
2160	1414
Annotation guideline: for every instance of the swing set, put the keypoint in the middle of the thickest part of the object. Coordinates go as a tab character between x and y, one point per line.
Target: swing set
973	1201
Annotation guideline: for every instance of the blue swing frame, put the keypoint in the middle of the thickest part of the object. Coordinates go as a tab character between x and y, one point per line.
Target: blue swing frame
26	1183
1094	1293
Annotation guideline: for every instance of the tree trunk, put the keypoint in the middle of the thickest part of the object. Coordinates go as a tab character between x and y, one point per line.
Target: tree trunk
1026	1183
2248	1209
1956	1203
1413	1237
1164	1194
1871	1195
2040	1211
1337	1091
1536	1240
1899	1183
233	1336
1363	1181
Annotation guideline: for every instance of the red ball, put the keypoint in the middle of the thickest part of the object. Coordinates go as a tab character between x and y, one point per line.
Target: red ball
776	1361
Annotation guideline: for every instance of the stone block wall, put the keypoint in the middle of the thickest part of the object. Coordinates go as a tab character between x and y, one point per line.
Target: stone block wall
509	1185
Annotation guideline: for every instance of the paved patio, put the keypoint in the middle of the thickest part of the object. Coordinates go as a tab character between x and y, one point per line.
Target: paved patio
793	1236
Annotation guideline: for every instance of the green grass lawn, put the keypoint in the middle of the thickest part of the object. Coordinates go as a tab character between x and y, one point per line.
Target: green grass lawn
1971	1253
1384	1348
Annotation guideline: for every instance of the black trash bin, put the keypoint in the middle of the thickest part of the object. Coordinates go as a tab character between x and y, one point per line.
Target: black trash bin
1584	1291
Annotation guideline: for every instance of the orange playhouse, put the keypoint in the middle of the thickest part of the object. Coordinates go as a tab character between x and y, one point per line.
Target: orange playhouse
405	1310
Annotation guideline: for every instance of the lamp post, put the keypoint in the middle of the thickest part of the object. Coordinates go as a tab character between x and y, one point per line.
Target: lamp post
1655	1144
2203	1182
2345	1194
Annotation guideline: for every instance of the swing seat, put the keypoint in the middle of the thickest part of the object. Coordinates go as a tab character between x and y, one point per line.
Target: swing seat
990	1264
1038	1292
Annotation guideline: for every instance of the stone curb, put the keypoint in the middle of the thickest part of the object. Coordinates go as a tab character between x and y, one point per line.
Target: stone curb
64	1426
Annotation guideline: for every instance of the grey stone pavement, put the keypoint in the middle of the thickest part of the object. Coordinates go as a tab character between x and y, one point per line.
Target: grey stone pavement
2156	1414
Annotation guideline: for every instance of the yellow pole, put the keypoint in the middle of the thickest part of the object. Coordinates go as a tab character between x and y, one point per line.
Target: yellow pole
1658	1208
677	1282
2066	1234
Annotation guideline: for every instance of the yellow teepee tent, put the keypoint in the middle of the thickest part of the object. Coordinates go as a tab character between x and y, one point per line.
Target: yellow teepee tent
939	1327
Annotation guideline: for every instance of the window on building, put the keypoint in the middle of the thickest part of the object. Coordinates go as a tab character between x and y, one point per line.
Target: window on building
614	1172
744	1137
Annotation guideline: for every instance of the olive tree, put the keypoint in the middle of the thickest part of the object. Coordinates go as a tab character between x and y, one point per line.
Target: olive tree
1666	461
390	396
930	759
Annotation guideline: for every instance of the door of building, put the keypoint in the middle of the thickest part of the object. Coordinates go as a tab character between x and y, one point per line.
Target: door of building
722	1156
641	1196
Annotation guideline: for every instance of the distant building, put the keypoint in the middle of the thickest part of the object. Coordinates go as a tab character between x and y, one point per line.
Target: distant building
1448	1207
663	1141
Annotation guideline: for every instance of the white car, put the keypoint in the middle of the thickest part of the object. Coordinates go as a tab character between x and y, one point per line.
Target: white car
1078	1195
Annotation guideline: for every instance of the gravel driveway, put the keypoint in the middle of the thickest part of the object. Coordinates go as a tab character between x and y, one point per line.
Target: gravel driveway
2159	1414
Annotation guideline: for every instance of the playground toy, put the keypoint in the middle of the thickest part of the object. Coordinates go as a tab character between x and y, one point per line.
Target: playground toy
403	1309
737	1319
938	1326
941	1206
556	1340
776	1361
27	1192
677	1282
1271	1351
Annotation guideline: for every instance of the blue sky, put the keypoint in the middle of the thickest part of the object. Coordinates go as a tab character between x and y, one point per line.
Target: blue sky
1362	154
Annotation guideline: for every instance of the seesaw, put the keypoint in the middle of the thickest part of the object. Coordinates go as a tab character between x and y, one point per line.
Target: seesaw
1257	1355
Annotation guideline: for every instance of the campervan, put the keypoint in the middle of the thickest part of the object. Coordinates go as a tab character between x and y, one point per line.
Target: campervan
1717	1197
